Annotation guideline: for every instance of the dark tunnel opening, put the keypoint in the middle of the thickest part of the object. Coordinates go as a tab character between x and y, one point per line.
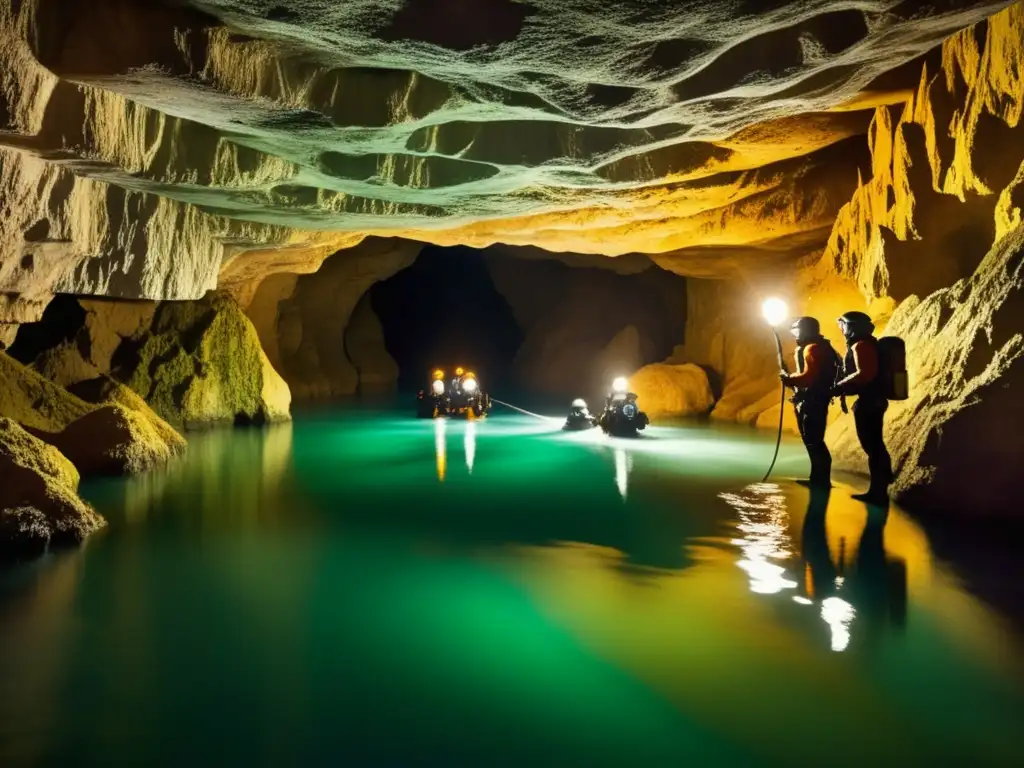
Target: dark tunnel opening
535	324
445	311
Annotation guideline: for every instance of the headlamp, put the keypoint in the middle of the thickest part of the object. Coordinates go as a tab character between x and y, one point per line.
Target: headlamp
437	387
469	385
620	384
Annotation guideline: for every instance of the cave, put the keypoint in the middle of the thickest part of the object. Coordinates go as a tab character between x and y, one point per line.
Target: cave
236	238
445	311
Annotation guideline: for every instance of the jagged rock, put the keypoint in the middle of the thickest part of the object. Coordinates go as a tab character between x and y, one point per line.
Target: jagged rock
31	400
672	390
39	502
956	443
200	363
669	130
364	346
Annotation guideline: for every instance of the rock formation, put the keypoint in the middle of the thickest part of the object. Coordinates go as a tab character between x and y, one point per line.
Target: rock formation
936	232
102	426
39	503
194	363
672	390
303	322
210	145
212	155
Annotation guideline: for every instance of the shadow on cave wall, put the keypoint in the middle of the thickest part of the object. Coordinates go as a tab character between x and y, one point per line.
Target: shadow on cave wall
527	321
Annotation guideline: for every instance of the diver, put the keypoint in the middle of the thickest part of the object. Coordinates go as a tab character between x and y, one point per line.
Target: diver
862	377
579	417
456	385
817	366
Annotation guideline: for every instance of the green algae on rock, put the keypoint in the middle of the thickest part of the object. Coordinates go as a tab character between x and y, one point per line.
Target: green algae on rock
28	398
201	363
39	502
114	440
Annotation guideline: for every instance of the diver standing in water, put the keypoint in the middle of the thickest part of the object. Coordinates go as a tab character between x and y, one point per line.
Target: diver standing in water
864	377
817	366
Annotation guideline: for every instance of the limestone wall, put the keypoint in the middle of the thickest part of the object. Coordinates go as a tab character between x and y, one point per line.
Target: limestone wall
932	243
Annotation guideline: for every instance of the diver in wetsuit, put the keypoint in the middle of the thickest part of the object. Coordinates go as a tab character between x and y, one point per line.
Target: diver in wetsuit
861	377
817	366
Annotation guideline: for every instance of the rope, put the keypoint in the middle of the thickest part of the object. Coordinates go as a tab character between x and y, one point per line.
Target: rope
521	410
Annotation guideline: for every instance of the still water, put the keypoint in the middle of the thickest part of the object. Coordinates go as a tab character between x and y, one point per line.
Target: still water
363	588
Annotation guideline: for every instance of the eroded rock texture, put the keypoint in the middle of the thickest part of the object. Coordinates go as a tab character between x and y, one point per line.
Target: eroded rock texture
194	363
39	502
160	149
937	228
304	323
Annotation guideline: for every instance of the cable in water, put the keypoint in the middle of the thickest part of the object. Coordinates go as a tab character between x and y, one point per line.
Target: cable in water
782	406
522	410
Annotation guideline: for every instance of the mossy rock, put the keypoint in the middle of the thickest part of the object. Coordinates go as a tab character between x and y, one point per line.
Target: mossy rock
28	398
202	364
104	390
114	440
39	502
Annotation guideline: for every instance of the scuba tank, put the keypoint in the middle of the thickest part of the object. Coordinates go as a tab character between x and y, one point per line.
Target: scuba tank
892	368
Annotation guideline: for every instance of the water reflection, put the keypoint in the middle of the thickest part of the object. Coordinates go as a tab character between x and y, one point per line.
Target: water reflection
623	465
764	521
440	431
240	474
469	443
868	590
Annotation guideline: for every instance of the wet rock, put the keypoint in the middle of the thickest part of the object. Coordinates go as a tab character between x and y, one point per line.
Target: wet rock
39	502
672	390
634	139
104	390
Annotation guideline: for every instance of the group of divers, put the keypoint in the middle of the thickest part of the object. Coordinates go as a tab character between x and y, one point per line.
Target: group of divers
463	397
873	370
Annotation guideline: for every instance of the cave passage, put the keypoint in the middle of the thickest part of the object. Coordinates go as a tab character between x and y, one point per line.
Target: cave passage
444	311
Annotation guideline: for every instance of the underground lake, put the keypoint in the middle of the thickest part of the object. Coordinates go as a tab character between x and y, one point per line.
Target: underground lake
362	587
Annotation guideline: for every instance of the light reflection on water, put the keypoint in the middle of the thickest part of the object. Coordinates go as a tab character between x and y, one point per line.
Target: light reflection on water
603	602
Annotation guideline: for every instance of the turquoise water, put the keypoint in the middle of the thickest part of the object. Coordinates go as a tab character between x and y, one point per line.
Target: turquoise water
363	588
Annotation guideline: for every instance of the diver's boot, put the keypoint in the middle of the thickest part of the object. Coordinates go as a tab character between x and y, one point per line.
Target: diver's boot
815	483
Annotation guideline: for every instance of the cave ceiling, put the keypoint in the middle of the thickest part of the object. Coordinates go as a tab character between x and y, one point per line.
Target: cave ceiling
700	131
